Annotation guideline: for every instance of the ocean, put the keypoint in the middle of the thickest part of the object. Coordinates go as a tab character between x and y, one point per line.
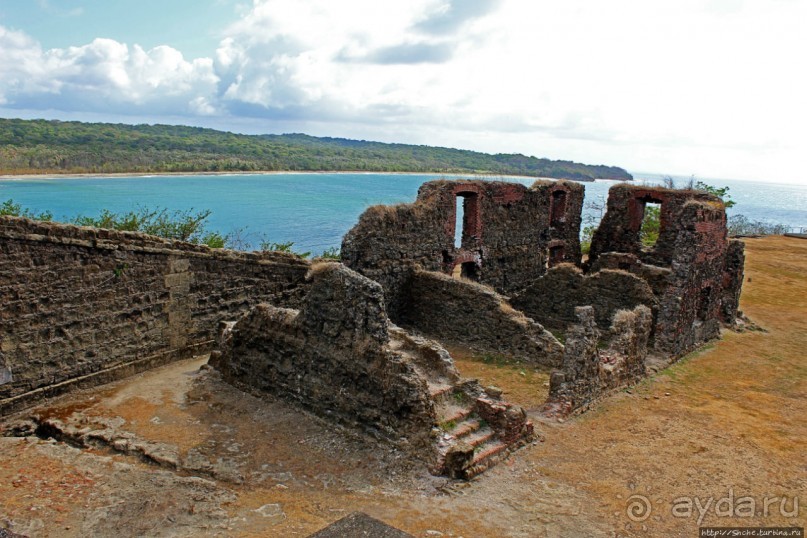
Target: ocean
314	210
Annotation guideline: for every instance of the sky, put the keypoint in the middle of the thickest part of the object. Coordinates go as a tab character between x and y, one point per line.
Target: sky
714	88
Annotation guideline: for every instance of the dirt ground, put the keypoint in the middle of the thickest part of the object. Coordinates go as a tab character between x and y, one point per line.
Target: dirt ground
722	428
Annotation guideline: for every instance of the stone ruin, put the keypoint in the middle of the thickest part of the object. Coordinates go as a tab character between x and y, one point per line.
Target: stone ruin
522	243
358	351
341	357
361	342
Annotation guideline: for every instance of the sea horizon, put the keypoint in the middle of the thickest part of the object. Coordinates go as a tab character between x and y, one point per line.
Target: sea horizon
315	209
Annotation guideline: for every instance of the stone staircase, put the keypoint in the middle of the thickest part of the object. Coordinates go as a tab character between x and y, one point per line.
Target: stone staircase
475	429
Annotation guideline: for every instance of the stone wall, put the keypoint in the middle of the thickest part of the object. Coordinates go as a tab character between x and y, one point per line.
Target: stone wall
82	306
733	273
510	234
590	369
552	299
620	227
469	314
332	357
658	278
694	270
692	309
341	358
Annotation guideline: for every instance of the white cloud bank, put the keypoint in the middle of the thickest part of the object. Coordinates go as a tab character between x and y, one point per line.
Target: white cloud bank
712	87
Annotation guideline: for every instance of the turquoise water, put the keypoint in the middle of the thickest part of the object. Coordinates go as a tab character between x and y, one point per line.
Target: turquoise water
315	210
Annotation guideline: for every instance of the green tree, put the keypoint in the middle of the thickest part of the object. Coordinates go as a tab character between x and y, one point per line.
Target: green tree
720	192
288	246
332	253
180	225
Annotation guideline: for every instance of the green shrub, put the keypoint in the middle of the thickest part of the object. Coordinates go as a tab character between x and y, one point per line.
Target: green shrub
9	208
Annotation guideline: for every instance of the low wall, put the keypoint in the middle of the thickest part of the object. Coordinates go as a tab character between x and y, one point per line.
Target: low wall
332	357
468	314
82	306
597	362
552	299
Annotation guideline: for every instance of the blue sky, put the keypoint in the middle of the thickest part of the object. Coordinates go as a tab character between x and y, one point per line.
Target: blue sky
192	26
713	88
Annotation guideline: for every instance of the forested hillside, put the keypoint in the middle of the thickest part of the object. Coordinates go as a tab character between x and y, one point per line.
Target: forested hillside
39	146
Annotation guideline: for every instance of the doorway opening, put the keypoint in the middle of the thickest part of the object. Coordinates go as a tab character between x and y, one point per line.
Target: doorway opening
651	224
466	226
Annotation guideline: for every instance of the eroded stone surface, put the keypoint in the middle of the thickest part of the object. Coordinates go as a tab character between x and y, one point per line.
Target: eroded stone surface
590	369
509	234
83	306
701	287
340	357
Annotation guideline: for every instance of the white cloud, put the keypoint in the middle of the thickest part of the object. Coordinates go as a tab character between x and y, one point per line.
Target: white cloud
102	75
711	87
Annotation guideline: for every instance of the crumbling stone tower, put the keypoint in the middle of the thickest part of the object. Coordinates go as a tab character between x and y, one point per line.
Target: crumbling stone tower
695	270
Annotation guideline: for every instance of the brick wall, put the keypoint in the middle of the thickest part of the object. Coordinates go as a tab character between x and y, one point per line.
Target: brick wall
81	306
597	361
508	232
619	229
694	270
691	309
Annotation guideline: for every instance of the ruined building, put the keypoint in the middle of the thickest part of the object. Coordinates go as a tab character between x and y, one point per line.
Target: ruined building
521	273
361	342
340	356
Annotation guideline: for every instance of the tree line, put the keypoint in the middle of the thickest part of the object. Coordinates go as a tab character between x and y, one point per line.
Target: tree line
40	146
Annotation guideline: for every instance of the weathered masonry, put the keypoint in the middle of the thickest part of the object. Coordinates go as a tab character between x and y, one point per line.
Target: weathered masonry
695	271
509	234
83	306
340	356
519	267
490	266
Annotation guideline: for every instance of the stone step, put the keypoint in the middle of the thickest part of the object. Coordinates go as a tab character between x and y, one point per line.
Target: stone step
465	428
440	391
487	455
479	437
453	413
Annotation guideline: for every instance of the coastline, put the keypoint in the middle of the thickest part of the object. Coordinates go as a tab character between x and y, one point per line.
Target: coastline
113	175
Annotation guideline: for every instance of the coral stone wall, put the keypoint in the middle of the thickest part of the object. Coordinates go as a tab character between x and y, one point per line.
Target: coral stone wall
552	299
692	309
332	357
596	362
508	233
694	270
619	229
733	273
81	306
469	314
